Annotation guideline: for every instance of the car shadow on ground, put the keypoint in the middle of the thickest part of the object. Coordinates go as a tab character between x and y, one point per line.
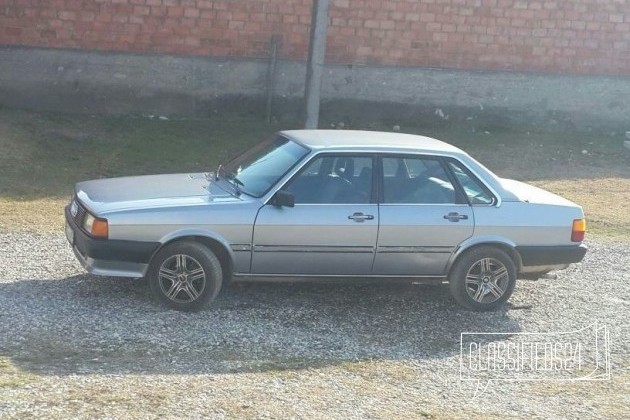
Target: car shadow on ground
86	324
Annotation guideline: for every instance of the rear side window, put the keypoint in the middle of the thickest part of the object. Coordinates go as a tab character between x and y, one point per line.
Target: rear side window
416	180
476	192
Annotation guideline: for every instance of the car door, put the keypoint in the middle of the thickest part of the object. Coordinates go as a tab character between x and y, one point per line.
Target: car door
423	217
332	228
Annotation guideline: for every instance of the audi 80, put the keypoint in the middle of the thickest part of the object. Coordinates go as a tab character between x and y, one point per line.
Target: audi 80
314	204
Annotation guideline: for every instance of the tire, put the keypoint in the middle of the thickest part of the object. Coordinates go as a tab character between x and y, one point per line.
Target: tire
185	276
483	278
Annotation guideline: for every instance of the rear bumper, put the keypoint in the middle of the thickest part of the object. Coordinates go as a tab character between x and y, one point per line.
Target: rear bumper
551	255
109	257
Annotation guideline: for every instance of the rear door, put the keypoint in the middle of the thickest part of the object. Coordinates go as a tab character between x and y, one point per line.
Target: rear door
423	216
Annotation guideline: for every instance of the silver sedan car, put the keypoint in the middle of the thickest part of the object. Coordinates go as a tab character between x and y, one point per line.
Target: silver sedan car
315	204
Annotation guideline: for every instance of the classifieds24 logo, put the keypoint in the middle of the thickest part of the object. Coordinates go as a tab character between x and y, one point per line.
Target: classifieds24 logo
581	355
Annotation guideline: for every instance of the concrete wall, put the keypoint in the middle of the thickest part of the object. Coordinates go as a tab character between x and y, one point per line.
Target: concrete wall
100	82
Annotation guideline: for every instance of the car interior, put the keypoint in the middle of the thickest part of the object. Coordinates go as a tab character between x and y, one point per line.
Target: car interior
338	180
347	179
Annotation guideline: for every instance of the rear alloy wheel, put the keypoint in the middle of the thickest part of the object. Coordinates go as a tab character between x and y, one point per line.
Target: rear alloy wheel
186	276
483	279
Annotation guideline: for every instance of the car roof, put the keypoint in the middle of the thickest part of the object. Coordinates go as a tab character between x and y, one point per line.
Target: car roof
368	140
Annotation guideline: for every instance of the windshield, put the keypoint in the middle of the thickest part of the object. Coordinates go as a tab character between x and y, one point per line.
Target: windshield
258	169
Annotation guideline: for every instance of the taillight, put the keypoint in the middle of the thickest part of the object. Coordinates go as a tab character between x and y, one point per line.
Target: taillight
578	230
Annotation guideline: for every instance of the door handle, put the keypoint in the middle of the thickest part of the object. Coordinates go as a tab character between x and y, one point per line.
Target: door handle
455	217
360	217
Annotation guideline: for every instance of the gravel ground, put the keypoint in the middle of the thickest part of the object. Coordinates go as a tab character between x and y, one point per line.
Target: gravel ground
75	345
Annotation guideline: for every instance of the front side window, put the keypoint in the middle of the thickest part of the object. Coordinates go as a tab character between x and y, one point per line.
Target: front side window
334	180
416	180
258	169
474	190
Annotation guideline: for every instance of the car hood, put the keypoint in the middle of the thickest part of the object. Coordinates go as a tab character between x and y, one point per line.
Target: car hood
109	194
530	194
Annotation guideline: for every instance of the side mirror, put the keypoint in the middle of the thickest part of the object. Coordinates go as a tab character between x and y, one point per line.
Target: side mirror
283	199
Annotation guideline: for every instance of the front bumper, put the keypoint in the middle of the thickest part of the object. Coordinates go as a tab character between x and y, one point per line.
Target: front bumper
109	257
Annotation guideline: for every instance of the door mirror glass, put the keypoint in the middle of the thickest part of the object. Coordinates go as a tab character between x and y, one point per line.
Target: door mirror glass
283	199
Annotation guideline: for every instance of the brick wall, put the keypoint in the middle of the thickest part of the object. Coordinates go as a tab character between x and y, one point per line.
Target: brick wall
571	36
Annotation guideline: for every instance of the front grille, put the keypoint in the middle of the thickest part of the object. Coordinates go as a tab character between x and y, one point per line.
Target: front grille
78	219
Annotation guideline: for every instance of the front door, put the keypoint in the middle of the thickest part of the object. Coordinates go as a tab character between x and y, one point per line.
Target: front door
421	222
331	230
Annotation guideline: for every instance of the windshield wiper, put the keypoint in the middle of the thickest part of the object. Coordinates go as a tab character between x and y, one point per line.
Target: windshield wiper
231	178
237	183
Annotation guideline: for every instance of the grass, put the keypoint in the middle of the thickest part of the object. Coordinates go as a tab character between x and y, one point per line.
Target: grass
13	377
45	154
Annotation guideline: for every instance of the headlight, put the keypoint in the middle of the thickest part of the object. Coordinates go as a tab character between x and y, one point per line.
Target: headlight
88	221
95	226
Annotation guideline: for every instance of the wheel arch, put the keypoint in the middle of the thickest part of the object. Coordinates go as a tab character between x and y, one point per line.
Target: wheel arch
503	244
214	242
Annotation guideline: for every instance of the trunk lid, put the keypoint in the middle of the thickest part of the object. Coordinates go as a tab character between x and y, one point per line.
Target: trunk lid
531	194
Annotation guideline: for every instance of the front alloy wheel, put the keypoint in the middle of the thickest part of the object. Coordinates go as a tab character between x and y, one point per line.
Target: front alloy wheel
182	279
185	276
483	278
